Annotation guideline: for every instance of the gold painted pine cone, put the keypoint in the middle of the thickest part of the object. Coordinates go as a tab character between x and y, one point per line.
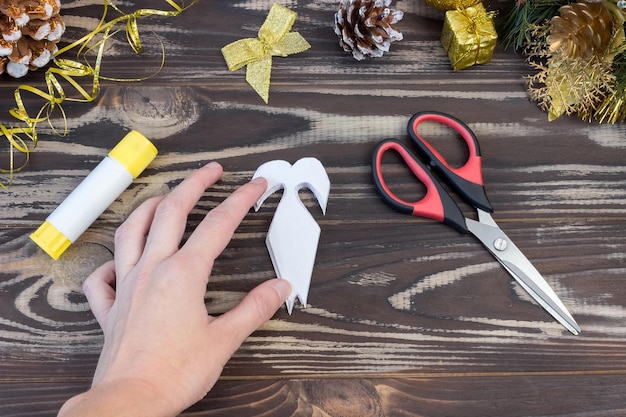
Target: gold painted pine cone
581	30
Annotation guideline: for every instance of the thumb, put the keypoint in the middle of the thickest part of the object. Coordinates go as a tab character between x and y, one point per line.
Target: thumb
100	291
256	308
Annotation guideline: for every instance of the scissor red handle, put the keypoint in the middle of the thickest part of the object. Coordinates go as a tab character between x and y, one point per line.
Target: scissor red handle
436	204
467	179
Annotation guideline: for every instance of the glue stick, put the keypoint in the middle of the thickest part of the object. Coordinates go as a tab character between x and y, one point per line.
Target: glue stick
95	194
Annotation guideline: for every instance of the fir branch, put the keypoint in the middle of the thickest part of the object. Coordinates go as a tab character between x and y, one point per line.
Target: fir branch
516	24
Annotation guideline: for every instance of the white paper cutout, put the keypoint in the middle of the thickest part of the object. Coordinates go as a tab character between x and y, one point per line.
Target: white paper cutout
293	235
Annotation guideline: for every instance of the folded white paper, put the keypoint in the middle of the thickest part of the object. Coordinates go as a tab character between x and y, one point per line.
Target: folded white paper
293	235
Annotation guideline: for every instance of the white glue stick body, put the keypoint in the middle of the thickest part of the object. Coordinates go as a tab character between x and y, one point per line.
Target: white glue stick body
95	194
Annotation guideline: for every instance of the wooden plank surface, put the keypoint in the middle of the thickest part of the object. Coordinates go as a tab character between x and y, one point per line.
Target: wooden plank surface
406	316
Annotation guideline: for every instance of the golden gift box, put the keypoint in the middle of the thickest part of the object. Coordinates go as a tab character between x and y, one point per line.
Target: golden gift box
469	36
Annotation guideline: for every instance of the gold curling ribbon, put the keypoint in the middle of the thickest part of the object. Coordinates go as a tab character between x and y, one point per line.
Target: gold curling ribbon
24	139
274	39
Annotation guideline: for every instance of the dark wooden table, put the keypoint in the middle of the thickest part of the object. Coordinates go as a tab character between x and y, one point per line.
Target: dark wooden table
405	316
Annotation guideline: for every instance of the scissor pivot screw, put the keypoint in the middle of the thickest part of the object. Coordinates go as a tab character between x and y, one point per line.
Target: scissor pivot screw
500	244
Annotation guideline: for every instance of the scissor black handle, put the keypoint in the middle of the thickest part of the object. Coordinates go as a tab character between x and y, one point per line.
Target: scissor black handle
436	204
467	180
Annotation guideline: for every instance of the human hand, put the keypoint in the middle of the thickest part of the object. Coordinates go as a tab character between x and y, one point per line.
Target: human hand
162	352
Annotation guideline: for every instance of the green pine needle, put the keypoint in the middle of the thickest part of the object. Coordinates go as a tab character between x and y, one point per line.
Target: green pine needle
516	23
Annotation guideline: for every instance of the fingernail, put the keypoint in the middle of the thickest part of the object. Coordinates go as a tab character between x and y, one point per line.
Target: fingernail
258	180
213	165
283	287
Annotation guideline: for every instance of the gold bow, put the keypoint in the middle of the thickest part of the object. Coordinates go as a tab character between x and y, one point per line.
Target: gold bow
274	39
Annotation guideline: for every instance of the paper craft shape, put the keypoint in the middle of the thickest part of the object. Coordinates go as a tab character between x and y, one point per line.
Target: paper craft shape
293	235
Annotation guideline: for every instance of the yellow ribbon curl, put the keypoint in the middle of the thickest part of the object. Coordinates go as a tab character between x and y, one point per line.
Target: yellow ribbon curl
69	70
274	39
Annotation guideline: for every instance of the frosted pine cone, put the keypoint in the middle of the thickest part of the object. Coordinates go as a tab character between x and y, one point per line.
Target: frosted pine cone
366	27
30	31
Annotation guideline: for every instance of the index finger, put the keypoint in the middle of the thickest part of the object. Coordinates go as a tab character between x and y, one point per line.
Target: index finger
215	231
170	216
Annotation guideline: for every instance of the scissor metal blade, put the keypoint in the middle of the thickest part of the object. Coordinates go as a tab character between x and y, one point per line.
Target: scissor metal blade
514	261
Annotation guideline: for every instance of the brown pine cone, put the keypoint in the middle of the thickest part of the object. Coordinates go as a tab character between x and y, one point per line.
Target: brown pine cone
50	29
14	11
582	30
5	48
30	30
22	11
366	27
41	9
10	30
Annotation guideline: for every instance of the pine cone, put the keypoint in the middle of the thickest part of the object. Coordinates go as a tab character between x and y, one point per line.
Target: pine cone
366	27
582	30
30	31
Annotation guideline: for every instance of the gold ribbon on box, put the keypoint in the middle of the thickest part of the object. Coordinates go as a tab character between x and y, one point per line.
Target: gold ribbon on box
469	36
23	139
274	39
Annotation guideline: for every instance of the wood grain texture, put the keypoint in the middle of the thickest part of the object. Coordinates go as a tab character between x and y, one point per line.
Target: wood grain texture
432	326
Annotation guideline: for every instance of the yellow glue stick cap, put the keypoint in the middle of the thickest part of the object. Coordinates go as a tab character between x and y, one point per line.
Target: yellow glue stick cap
134	152
50	240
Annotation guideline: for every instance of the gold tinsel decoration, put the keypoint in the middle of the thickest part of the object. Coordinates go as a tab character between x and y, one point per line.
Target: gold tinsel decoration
573	54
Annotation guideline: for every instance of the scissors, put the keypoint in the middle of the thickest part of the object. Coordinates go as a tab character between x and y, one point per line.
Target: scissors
467	181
